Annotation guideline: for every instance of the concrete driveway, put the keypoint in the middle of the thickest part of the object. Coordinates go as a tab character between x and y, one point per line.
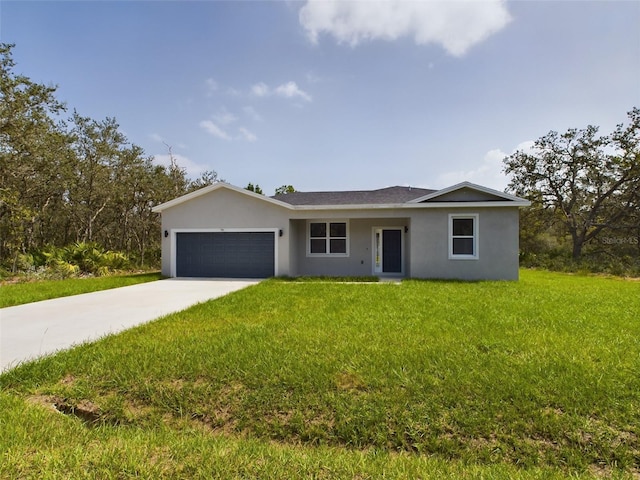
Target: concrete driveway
40	328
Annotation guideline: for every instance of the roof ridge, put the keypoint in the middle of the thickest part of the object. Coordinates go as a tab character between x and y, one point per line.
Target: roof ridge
395	194
410	187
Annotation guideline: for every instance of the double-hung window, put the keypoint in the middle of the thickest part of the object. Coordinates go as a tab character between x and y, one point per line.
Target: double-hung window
327	238
463	237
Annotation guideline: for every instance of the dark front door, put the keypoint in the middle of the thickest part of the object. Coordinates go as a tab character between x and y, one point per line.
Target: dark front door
391	251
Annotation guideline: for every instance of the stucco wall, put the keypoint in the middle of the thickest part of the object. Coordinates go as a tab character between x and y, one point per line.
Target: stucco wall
360	259
425	244
226	209
497	245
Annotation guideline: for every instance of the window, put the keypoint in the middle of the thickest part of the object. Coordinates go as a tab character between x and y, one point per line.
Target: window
328	238
463	237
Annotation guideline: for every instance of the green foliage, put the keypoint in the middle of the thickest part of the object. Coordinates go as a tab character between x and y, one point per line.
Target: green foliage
320	278
561	261
32	290
38	442
284	189
80	258
206	178
582	186
490	379
254	188
79	180
88	258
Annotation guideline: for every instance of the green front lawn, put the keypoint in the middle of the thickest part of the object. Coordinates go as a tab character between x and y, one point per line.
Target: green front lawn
19	293
532	379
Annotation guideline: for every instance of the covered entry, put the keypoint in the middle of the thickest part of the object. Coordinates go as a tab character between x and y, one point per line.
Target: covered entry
225	254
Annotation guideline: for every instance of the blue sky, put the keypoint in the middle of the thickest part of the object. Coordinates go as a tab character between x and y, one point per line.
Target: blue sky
335	95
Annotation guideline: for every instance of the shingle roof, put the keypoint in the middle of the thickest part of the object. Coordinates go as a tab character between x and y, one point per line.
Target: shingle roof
389	195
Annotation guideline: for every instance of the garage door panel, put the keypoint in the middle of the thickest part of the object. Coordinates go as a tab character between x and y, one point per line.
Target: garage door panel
225	254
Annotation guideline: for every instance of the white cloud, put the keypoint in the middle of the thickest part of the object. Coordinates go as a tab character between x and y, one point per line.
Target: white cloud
488	173
260	90
247	135
252	113
455	25
192	168
224	117
160	139
286	90
527	146
291	90
211	85
214	130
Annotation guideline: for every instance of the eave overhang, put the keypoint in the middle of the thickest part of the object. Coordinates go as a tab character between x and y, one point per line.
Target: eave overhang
425	202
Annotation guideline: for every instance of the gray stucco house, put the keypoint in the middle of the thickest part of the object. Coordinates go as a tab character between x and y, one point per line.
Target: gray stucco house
465	231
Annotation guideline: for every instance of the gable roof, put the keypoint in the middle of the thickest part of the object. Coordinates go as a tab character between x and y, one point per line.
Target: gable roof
213	188
490	194
390	197
382	196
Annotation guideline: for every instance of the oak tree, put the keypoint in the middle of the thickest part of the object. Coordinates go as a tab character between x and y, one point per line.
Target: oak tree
588	182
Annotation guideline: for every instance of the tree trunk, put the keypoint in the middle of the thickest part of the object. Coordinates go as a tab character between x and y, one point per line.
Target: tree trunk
578	241
577	251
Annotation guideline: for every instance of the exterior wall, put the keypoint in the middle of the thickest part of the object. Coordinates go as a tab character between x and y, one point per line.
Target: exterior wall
360	259
225	209
497	245
425	244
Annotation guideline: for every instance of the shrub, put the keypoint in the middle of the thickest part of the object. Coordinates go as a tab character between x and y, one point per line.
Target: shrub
590	263
81	258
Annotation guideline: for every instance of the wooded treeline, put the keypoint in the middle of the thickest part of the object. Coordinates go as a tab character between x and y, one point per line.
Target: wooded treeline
68	178
584	189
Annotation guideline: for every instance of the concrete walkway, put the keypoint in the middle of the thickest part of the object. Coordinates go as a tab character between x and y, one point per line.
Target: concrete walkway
40	328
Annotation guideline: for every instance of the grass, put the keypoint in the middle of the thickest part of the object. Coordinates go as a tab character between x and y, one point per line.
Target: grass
532	379
44	445
27	292
320	279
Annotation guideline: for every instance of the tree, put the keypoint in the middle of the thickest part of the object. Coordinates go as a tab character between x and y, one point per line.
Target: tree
177	174
206	178
98	147
76	181
34	159
284	189
253	188
589	183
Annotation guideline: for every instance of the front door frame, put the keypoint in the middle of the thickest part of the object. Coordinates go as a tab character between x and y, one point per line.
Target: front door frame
377	251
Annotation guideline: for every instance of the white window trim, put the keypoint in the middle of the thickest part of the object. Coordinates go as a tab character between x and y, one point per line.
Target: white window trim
328	238
476	230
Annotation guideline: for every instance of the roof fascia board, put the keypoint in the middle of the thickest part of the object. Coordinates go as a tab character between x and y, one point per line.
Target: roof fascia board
510	200
368	206
213	188
497	203
472	186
